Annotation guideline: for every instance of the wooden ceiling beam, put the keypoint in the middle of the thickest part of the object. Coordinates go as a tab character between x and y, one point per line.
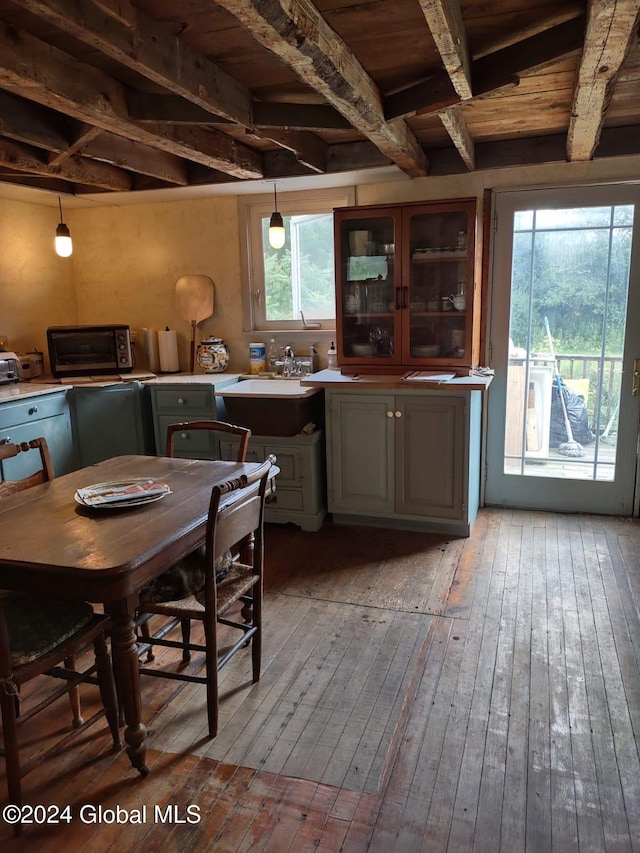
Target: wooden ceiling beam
137	158
456	127
611	30
151	52
298	116
27	122
36	71
173	109
444	19
85	134
23	158
492	72
120	10
310	150
296	32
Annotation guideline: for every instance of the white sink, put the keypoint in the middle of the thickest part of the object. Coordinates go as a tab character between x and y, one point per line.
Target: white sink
270	388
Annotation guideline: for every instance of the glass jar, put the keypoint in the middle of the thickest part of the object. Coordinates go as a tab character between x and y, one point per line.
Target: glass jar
213	355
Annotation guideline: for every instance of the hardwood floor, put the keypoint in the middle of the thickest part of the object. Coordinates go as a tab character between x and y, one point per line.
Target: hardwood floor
418	694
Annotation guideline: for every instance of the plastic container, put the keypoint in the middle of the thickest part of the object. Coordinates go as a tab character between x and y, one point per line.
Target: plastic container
272	355
332	357
257	358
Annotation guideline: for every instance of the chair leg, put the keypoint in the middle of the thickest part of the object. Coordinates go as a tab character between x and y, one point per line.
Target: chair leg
256	640
8	692
211	668
185	624
74	694
146	636
108	692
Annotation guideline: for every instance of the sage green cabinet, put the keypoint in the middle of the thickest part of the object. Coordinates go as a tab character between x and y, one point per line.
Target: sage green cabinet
43	415
299	496
409	459
111	420
181	402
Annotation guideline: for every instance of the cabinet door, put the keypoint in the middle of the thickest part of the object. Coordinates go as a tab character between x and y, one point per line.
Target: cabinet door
438	271
57	432
368	291
107	422
360	456
432	456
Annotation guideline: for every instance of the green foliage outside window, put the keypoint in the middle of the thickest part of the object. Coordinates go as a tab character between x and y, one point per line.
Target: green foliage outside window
314	269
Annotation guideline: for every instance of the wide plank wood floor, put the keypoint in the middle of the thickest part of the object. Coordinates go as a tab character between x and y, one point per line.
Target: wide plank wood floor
418	694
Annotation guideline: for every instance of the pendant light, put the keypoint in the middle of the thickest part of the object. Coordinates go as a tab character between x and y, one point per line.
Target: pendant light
276	225
63	243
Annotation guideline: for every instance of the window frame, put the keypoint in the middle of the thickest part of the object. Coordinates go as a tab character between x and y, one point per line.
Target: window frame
252	211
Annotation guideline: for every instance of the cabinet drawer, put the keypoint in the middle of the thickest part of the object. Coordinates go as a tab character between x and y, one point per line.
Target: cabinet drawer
33	409
197	443
290	499
288	461
194	400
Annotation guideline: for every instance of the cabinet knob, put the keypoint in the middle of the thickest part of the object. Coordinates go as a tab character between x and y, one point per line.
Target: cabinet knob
33	410
183	436
389	414
181	401
398	414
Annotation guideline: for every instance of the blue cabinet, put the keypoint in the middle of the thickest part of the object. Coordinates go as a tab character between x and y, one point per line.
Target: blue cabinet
43	415
111	420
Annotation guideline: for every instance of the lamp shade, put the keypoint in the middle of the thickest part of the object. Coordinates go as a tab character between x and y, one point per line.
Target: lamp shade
276	231
63	242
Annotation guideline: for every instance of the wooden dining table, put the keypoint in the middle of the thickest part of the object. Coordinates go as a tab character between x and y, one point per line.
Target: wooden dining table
52	545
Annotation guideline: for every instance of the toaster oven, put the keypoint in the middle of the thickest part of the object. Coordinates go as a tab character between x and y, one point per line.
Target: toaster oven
89	350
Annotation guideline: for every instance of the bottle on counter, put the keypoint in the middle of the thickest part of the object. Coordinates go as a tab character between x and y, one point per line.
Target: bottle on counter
272	356
332	357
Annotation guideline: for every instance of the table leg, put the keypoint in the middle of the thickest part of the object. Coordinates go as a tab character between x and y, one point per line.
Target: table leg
124	652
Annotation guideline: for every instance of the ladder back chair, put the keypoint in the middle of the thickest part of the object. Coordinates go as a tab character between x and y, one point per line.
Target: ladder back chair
43	474
37	634
236	514
193	562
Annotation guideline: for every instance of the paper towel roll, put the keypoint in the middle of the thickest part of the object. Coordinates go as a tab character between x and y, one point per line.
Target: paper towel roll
150	337
168	351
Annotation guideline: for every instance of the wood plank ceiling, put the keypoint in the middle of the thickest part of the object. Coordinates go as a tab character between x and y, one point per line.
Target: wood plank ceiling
121	95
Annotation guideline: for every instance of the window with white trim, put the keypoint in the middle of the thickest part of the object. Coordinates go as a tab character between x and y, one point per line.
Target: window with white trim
294	285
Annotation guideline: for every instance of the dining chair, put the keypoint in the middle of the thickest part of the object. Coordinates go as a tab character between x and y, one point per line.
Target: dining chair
36	635
236	513
42	474
9	450
166	585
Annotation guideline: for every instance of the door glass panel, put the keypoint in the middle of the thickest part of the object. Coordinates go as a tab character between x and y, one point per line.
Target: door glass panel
569	288
437	285
368	247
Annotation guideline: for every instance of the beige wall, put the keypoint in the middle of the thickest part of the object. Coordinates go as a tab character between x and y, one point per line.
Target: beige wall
127	258
36	286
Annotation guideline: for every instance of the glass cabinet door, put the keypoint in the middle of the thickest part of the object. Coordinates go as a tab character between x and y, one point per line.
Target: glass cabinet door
368	319
437	277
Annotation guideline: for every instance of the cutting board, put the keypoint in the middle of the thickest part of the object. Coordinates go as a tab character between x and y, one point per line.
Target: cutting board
194	303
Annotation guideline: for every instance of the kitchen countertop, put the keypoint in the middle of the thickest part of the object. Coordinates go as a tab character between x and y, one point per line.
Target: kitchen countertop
24	390
335	379
193	378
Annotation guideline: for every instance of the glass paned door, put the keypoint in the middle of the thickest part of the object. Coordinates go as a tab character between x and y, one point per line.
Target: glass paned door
566	417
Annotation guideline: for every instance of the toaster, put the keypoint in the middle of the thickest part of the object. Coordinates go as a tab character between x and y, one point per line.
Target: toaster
8	367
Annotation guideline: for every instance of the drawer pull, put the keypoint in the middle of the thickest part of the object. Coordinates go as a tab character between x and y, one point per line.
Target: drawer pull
184	436
33	410
181	401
